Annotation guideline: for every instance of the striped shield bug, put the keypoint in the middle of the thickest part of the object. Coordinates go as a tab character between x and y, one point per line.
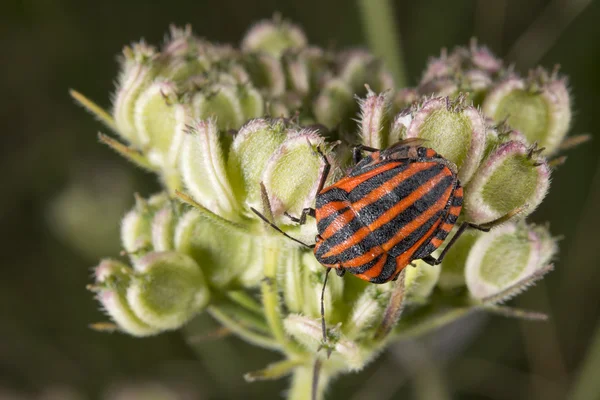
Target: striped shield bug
393	207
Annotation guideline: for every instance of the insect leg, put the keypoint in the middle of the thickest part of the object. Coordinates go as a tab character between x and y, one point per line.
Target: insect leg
483	227
356	152
323	326
302	219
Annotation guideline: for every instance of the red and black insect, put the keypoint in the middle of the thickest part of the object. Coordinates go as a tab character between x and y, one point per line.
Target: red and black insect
393	207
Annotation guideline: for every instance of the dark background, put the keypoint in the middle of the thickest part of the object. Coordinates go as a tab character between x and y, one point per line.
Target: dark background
50	160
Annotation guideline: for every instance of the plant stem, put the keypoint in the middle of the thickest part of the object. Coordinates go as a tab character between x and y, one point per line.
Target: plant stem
383	36
587	384
302	384
270	296
242	331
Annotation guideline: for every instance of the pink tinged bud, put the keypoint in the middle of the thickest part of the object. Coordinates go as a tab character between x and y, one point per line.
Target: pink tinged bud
483	59
456	132
113	277
512	178
375	120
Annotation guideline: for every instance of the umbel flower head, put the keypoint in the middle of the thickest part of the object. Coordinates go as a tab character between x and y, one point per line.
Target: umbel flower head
232	131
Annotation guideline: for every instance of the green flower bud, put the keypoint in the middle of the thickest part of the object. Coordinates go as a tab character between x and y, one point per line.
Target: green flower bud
250	152
297	72
221	103
163	229
136	226
203	168
368	311
273	37
113	279
167	290
359	67
159	120
138	69
375	120
291	174
419	281
209	240
539	107
266	72
502	262
334	104
511	178
456	132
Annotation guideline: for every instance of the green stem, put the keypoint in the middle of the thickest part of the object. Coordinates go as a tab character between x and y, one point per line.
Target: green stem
245	300
270	296
587	384
429	323
242	330
383	35
302	384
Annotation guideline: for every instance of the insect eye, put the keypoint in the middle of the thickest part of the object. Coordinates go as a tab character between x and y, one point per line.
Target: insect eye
422	152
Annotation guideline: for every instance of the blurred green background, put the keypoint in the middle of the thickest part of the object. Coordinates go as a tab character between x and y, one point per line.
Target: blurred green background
50	159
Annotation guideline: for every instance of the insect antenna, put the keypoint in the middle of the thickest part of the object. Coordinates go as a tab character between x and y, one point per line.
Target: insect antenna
278	229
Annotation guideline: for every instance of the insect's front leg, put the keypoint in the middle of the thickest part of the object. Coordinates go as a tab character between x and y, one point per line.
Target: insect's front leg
305	212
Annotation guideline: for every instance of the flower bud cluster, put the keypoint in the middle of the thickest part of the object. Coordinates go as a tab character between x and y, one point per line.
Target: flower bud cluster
538	106
274	73
235	133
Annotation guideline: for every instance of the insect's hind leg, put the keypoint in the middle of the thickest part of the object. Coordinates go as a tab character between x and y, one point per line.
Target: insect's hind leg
357	152
483	228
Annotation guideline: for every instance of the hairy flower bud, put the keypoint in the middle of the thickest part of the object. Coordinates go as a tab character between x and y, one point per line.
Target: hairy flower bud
273	37
204	170
266	72
503	262
359	68
334	104
368	311
456	132
167	289
230	104
137	72
160	120
539	107
114	278
292	173
250	152
208	239
375	120
136	226
512	178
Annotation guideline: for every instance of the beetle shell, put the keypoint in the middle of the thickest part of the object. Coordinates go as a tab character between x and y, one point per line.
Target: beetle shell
395	206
